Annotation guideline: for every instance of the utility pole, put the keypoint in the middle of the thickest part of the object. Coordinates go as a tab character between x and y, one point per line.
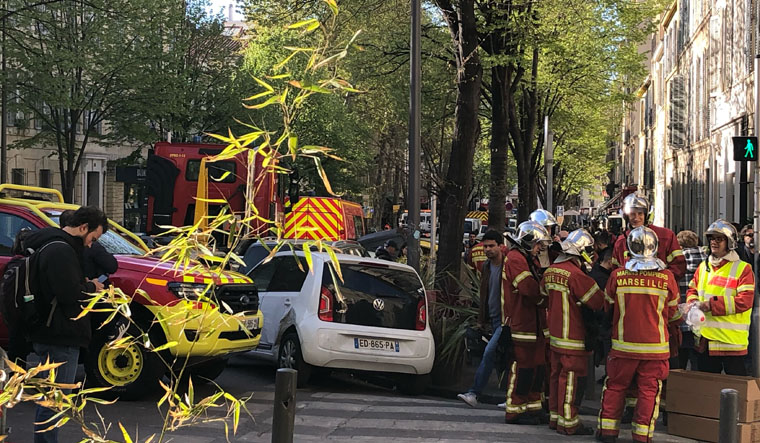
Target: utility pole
549	164
413	205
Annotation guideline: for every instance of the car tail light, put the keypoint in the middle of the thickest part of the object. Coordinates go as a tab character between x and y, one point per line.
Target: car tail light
325	312
421	315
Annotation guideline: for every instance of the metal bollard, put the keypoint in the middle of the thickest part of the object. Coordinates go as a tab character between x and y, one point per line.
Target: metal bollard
284	416
729	415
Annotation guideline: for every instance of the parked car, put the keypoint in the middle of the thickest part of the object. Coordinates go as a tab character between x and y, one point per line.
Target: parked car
256	251
374	320
372	241
132	371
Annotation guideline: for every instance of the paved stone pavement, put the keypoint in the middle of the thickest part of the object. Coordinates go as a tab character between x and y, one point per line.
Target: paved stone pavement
340	409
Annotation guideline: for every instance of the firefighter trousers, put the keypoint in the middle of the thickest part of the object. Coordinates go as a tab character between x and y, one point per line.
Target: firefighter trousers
567	384
526	379
649	377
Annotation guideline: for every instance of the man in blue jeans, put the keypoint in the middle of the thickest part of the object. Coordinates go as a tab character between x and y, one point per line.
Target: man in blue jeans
60	286
490	311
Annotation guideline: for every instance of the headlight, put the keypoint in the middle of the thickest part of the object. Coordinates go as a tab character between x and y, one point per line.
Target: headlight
190	291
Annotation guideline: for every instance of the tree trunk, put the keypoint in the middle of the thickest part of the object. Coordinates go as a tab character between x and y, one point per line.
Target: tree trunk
497	195
463	27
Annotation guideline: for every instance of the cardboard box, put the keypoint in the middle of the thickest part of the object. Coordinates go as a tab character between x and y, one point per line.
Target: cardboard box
706	429
698	393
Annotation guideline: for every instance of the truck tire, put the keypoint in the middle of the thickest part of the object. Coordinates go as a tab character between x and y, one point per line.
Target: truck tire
290	357
131	372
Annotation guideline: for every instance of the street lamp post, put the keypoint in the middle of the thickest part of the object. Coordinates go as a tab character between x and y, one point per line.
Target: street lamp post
413	205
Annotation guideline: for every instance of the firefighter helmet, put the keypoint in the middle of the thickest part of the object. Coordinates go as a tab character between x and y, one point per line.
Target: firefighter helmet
529	233
635	202
722	227
579	243
544	217
642	245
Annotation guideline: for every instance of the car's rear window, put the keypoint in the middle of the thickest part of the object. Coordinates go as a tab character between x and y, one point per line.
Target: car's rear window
375	281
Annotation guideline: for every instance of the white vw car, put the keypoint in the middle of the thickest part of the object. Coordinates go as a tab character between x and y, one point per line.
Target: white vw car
373	320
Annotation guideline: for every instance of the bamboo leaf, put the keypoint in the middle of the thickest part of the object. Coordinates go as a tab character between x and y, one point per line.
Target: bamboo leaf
323	176
303	23
125	434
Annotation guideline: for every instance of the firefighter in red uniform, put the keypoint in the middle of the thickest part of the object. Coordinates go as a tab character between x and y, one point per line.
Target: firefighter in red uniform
644	298
525	313
548	221
570	292
636	213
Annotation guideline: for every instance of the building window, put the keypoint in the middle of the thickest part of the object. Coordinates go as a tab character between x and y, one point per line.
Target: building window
46	178
17	176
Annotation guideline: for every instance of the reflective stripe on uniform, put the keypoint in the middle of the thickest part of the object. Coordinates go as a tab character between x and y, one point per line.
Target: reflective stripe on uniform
520	277
656	408
724	325
513	409
640	429
567	343
587	296
569	398
673	255
640	348
524	336
720	346
610	424
642	290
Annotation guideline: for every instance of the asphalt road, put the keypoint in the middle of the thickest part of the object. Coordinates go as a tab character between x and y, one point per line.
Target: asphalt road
339	408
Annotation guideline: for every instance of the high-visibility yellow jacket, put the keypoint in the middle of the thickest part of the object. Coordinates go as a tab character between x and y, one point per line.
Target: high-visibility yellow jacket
644	302
730	287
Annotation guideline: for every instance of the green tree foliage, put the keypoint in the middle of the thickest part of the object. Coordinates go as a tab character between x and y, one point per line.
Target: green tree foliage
192	83
567	57
118	71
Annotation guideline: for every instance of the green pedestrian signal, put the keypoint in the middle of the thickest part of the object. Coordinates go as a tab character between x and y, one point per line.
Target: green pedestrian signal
745	149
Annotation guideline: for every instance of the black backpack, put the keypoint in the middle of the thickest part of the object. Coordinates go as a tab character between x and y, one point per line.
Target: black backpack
17	302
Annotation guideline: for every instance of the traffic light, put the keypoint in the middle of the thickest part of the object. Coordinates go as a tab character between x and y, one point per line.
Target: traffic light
745	149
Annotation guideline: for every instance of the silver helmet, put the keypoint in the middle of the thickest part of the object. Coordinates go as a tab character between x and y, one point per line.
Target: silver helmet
635	202
529	233
544	217
722	227
642	245
580	244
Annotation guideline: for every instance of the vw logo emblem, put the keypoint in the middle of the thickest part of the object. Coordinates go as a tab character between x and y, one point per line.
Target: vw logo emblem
245	300
378	304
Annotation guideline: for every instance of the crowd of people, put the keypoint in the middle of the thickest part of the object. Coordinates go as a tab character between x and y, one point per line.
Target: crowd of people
554	298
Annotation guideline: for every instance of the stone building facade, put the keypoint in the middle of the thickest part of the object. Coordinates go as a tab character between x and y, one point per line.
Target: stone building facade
676	144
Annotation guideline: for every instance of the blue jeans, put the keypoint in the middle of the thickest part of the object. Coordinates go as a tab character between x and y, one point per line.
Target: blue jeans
486	363
66	373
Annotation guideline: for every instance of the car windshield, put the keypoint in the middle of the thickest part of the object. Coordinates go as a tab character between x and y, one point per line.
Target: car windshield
111	240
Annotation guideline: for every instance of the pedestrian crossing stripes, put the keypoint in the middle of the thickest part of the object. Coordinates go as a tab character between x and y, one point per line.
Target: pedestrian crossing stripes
344	416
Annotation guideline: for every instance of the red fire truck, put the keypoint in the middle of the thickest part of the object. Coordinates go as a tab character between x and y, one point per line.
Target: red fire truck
173	172
172	176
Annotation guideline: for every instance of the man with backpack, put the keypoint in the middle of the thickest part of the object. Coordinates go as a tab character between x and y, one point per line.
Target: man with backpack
60	290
